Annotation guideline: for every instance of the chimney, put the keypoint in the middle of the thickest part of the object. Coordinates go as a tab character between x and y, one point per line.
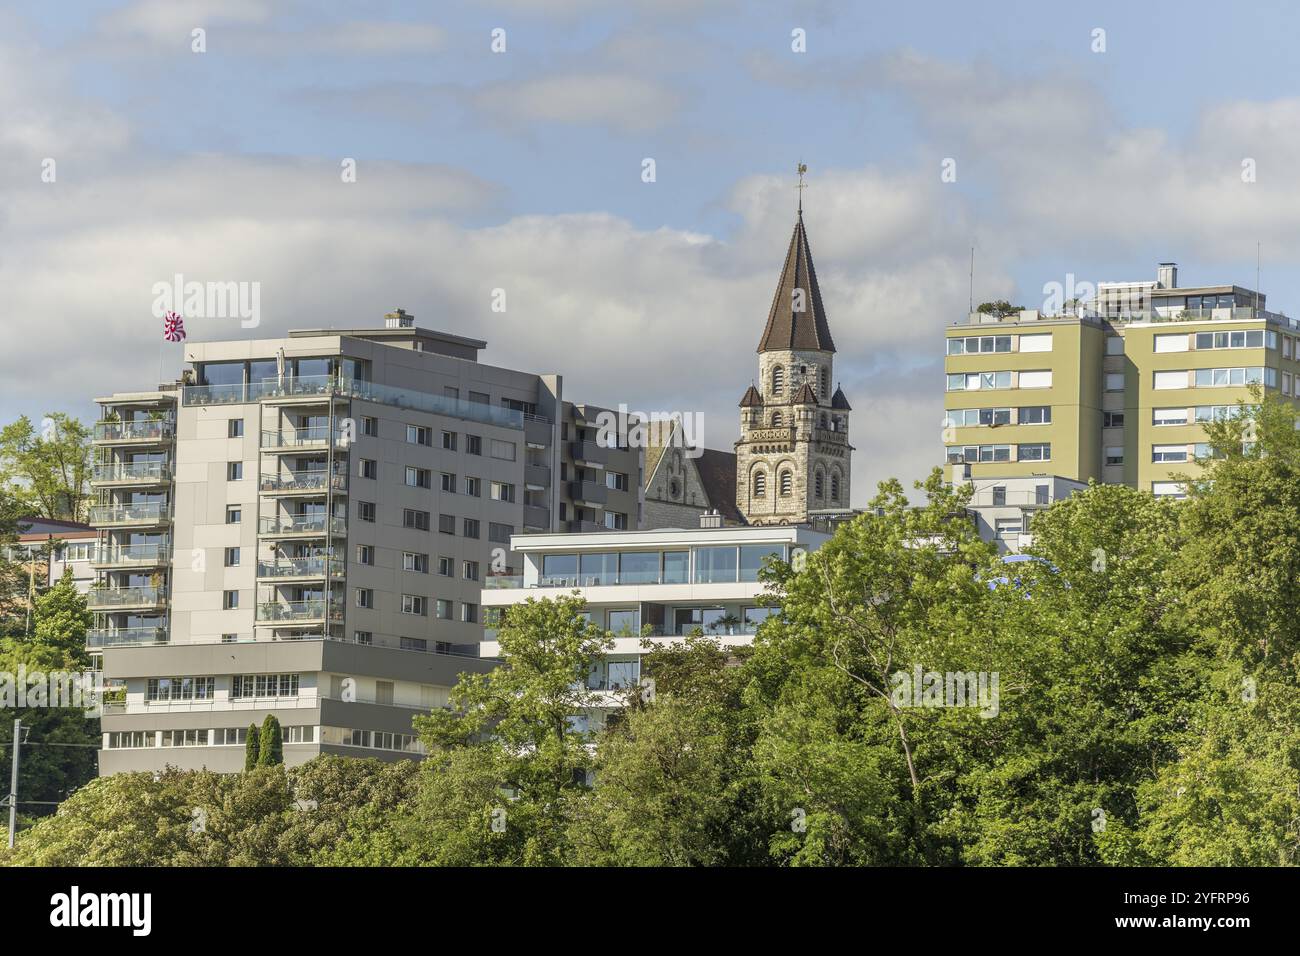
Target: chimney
399	320
711	519
1167	275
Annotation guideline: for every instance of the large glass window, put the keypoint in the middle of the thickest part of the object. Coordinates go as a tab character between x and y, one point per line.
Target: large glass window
638	567
677	566
559	569
222	373
623	673
623	623
705	618
715	565
754	616
752	557
598	569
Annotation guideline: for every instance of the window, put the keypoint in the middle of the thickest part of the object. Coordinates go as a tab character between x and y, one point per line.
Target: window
419	478
449	441
1253	339
615	481
835	488
778	380
777	421
1217	413
1172	343
1219	377
1115	455
369	468
1008	528
974	345
1041	493
418	435
447	524
469	570
819	485
234	514
1168	489
473	487
234	471
787	484
999	496
1112	419
365	597
369	426
615	521
229	638
365	554
444	609
263	685
363	637
1035	415
1114	381
977	381
446	567
971	417
503	450
1114	345
232	557
716	565
1169	416
497	533
235	428
413	604
1039	379
502	491
480	398
1161	453
760	485
469	612
230	600
1036	343
366	510
184	738
978	453
1170	380
1041	451
469	528
418	563
473	445
411	518
180	688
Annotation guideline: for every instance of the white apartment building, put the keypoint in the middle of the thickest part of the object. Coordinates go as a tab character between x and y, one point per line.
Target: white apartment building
47	547
671	582
1003	508
302	526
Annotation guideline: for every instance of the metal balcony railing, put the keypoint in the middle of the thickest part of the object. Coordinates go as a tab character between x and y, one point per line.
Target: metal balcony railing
126	636
107	598
151	513
294	611
315	436
144	430
303	481
301	524
301	568
143	471
145	554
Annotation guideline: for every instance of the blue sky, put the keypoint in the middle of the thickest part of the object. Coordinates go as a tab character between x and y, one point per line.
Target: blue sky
522	170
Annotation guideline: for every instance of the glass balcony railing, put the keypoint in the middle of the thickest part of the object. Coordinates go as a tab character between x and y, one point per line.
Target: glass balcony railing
300	568
292	611
152	429
316	436
131	554
107	598
326	386
145	471
152	513
126	636
496	582
303	481
301	524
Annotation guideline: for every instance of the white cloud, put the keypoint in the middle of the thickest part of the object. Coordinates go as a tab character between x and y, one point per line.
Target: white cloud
624	102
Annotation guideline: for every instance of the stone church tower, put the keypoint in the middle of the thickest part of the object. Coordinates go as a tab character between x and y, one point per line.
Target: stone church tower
793	453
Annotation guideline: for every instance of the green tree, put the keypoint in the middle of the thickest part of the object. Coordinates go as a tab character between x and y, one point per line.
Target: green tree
48	470
251	747
61	620
1000	308
270	748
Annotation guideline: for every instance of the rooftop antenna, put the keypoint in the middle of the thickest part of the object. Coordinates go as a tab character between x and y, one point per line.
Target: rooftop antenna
1255	315
802	168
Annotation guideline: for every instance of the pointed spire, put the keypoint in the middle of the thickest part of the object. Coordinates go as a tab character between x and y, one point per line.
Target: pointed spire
839	400
797	321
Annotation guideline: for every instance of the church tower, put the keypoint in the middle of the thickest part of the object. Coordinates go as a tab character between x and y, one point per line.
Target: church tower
793	453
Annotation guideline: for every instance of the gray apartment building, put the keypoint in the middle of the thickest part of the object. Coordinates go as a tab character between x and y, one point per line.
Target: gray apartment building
303	527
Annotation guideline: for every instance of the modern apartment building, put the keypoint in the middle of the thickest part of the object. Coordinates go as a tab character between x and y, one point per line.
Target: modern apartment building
1116	389
302	526
1004	508
672	582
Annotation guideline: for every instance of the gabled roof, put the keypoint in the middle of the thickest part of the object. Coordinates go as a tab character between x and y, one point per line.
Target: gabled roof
787	329
839	401
751	398
805	395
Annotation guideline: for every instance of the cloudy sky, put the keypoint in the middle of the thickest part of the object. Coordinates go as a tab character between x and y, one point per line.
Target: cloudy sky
1079	152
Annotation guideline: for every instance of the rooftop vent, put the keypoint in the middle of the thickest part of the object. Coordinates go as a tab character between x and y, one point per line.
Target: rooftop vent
399	320
1167	275
711	519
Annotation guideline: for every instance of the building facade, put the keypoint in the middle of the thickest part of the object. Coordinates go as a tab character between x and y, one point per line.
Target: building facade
1115	390
303	526
793	455
48	547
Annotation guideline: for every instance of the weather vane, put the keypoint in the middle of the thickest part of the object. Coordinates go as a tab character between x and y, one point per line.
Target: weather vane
803	168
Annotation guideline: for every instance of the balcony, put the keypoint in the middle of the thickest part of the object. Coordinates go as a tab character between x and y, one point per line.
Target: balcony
538	431
123	599
497	582
298	568
144	432
318	437
131	556
153	513
291	526
588	493
303	483
298	612
588	453
538	518
537	477
584	527
127	637
132	473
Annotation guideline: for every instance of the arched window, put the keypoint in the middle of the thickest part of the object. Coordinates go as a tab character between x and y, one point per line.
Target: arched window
787	484
820	484
760	485
835	487
776	420
778	380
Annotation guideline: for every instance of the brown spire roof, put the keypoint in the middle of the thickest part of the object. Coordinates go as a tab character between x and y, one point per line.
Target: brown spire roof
840	401
805	395
751	397
786	328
